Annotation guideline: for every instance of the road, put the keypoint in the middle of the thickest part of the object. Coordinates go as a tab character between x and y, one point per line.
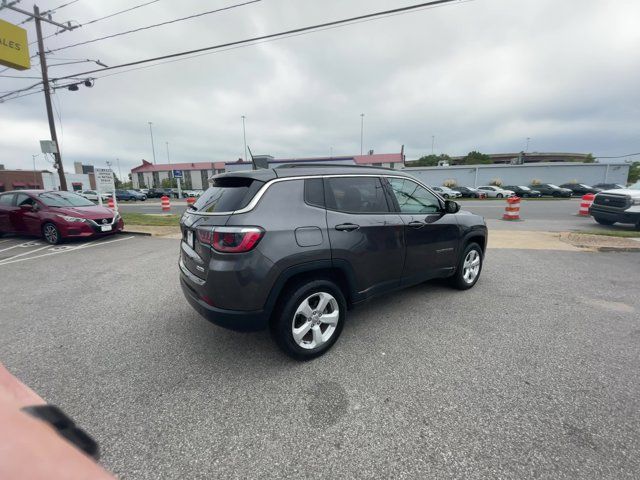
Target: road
533	373
538	215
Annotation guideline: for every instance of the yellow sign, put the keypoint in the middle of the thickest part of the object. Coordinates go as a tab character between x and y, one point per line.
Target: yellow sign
14	48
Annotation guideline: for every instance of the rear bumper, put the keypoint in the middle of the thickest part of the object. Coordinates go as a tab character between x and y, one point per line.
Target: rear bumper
613	216
244	321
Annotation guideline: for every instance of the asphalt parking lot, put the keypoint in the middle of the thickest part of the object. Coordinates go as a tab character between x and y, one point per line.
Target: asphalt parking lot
532	373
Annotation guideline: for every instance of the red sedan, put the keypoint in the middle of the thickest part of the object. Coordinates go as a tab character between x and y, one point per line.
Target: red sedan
55	215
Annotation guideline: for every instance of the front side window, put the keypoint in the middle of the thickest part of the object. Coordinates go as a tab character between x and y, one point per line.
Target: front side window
356	195
23	199
314	192
412	198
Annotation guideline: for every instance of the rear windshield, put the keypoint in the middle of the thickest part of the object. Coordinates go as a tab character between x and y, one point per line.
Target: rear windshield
228	194
64	199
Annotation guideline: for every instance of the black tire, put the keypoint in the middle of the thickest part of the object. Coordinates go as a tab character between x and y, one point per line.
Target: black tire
499	195
446	195
458	279
51	234
284	318
555	194
603	221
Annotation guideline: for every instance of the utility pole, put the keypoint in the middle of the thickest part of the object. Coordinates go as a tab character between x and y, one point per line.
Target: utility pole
361	132
433	142
153	148
47	99
244	135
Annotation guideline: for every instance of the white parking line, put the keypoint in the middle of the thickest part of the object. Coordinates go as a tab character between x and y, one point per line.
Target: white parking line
5	241
24	244
86	245
23	254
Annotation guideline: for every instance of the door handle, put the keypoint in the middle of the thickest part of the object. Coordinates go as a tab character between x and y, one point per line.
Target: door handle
415	224
347	227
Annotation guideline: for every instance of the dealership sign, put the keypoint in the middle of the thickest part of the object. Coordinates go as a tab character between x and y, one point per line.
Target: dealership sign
14	48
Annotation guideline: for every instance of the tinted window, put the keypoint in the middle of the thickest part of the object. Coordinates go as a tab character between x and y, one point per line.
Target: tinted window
412	198
228	194
356	195
22	199
314	192
64	199
7	199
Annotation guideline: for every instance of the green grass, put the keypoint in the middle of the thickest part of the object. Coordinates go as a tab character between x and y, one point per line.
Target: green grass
612	233
151	220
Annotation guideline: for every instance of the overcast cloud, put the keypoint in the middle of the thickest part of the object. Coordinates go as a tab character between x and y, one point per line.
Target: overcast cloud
482	75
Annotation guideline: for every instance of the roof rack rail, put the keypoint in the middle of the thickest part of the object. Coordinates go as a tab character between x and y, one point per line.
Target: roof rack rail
324	165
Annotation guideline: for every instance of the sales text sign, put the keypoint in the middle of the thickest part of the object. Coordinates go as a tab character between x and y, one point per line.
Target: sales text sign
14	48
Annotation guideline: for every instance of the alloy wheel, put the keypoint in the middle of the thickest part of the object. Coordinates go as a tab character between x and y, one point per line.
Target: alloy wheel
471	266
315	320
50	233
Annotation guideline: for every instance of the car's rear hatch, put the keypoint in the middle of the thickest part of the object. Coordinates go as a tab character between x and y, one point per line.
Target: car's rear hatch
227	194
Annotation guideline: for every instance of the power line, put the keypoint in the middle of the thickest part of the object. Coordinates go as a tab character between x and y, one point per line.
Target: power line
118	13
296	31
154	25
95	20
51	10
622	156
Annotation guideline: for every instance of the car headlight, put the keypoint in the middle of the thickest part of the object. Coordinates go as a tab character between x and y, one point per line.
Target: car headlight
69	219
635	201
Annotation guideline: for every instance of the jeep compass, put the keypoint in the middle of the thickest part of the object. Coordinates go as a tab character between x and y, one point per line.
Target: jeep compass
293	248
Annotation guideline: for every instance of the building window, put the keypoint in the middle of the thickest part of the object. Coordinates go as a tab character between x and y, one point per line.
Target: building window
141	180
204	175
156	180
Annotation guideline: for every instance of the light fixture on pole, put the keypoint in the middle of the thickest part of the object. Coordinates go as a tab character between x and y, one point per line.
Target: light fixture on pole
361	132
153	148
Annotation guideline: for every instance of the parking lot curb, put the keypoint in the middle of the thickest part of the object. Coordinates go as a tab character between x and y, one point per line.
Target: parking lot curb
133	232
598	243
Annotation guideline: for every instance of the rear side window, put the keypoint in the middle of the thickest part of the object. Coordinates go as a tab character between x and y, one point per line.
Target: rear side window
7	199
314	192
356	195
228	194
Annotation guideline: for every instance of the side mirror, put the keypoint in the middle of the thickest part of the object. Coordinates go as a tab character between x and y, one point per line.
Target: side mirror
27	207
451	207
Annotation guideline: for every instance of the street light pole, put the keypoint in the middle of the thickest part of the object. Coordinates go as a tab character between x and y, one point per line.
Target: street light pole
169	162
35	178
361	132
526	150
153	148
244	135
433	142
119	171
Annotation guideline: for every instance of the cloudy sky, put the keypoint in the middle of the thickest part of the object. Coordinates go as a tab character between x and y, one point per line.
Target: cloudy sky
478	75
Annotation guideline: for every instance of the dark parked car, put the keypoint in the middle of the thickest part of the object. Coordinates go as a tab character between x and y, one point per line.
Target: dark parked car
123	195
470	192
608	186
55	215
580	188
551	190
349	234
523	191
161	192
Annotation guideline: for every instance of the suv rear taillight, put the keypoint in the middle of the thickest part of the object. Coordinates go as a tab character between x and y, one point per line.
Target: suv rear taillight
231	239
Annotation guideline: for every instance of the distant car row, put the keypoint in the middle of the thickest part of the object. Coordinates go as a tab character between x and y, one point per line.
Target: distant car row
141	194
565	190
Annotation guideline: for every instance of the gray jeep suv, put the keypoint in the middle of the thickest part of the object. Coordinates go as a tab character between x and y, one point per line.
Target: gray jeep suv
292	248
